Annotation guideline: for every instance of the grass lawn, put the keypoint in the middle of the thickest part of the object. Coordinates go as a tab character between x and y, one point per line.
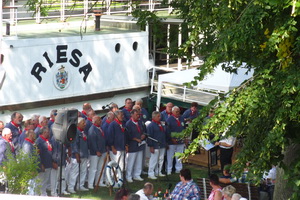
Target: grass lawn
161	183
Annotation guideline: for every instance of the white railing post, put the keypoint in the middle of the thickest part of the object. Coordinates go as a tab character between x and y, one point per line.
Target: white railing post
1	29
85	8
184	93
151	6
170	9
179	44
38	14
62	10
130	7
108	9
12	12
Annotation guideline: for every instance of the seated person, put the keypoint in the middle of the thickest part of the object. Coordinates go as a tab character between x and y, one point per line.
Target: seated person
145	193
216	192
227	177
122	194
268	184
134	197
270	177
186	188
229	193
231	178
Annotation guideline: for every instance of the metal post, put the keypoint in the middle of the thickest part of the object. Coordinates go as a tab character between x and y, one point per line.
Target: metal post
179	44
168	45
152	79
7	28
60	169
159	91
97	19
154	49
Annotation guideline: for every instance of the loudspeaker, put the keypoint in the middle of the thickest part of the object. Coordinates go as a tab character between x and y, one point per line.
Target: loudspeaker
65	125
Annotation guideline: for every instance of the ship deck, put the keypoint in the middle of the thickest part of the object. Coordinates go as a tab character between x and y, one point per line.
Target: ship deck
73	27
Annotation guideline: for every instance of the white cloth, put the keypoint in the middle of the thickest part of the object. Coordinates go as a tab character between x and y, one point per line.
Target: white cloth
44	177
119	158
230	141
142	195
96	164
55	179
74	172
156	161
134	164
174	148
271	174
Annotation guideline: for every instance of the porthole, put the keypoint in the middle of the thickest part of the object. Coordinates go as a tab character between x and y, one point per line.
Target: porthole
135	46
117	47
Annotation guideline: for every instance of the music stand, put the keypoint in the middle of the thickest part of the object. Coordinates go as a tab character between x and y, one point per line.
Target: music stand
212	154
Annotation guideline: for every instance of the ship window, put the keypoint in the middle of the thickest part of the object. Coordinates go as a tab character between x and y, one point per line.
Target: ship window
117	47
135	46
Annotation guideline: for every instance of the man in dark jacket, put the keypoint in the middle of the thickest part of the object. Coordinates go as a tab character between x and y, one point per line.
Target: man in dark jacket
156	131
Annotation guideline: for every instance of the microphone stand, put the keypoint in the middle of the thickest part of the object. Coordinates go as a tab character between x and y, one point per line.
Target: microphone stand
60	169
79	166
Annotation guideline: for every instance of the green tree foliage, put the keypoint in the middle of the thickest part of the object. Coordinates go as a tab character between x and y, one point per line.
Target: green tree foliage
19	170
265	110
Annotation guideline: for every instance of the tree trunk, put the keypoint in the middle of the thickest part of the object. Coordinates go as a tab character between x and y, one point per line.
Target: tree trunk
282	192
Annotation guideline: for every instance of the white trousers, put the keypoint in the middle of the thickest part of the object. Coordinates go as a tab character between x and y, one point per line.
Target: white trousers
44	177
174	148
134	164
156	161
55	180
67	171
96	164
74	172
119	158
32	186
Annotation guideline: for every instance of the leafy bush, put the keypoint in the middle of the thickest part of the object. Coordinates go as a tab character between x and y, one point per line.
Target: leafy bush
18	170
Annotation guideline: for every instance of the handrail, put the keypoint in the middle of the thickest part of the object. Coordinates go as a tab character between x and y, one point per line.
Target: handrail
61	10
184	97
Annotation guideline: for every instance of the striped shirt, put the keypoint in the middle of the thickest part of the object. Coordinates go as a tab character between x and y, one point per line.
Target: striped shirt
189	191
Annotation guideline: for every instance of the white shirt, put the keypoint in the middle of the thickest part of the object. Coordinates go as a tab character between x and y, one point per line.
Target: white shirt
231	141
142	194
271	174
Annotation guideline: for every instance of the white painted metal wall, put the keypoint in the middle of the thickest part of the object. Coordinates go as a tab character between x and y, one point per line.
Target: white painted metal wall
110	70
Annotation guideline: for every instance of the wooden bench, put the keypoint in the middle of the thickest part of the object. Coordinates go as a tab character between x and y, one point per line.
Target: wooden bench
249	191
